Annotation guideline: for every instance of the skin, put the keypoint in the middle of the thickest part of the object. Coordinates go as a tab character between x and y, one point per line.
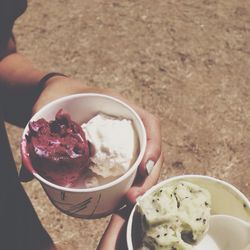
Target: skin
114	237
18	81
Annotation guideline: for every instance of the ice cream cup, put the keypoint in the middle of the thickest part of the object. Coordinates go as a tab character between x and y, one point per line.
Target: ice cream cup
97	201
226	199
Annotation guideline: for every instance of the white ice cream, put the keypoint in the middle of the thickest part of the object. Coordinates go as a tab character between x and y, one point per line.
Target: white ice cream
175	216
114	144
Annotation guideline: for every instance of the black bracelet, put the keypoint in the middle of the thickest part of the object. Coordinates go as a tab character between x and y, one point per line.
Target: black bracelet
42	82
124	211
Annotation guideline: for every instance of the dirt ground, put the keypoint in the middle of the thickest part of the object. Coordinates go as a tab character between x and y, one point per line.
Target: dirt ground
185	61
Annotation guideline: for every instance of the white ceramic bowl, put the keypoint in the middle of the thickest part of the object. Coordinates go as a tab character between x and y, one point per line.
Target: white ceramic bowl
226	199
96	201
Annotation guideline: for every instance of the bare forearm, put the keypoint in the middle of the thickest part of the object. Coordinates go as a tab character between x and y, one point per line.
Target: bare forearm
111	238
17	71
18	84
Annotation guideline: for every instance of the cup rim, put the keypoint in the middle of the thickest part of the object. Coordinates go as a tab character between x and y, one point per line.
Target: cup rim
101	187
180	177
199	176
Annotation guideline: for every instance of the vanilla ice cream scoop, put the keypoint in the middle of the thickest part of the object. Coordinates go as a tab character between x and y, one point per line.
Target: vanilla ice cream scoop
114	144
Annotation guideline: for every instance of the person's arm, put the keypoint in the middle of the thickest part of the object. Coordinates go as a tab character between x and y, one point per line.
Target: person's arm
18	84
18	87
114	237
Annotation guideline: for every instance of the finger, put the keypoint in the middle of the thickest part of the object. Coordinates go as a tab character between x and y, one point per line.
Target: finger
26	170
153	147
143	185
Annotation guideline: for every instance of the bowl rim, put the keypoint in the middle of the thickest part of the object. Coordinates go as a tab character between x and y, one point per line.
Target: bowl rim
108	185
180	177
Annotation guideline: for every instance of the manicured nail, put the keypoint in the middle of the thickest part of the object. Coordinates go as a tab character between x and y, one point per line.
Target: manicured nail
149	166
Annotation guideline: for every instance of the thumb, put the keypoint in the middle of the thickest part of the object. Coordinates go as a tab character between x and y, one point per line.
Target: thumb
143	184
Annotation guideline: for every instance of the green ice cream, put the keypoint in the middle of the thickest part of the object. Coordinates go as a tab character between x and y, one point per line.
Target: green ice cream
175	216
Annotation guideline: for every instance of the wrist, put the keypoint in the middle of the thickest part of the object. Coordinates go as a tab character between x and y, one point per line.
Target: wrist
48	79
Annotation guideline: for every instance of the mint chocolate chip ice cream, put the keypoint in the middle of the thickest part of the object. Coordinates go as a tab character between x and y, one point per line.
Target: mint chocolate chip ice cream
175	216
58	149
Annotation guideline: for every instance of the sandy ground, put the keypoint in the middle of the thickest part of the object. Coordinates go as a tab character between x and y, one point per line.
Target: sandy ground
185	61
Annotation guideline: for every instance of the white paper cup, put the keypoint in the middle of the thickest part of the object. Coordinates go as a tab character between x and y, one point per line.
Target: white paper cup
97	201
226	199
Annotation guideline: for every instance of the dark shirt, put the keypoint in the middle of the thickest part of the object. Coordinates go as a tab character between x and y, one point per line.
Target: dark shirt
10	10
20	228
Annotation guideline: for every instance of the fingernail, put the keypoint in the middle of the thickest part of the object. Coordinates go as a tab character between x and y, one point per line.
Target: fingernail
149	166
